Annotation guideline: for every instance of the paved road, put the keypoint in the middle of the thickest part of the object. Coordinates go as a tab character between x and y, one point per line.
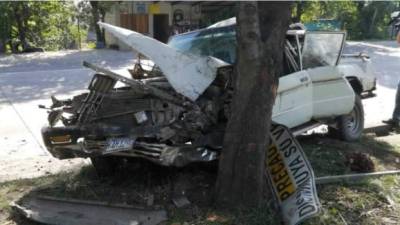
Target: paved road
385	56
27	80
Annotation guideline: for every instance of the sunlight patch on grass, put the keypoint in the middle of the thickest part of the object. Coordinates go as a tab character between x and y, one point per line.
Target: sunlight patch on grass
371	201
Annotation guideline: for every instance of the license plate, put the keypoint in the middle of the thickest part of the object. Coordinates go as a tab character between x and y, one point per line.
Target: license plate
118	144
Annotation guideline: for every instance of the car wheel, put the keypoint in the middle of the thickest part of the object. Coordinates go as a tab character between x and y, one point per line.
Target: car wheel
105	166
350	127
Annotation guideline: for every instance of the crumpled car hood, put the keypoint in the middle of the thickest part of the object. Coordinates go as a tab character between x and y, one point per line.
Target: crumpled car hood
188	74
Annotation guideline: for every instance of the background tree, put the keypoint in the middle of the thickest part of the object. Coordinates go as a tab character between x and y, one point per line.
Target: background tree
99	10
27	24
5	28
261	31
361	19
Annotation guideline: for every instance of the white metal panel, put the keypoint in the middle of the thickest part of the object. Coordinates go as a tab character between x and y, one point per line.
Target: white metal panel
188	74
332	93
358	68
295	100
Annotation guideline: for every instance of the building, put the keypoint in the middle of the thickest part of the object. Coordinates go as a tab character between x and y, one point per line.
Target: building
160	20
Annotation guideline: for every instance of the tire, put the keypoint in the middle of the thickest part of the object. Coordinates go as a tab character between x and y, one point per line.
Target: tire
105	166
350	127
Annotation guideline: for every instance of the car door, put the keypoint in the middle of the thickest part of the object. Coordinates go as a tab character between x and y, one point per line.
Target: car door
293	104
332	94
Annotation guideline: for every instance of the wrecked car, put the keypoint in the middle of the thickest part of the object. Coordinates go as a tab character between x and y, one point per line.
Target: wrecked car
174	108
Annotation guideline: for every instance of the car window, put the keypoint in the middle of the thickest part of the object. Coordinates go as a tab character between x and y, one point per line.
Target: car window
322	49
220	43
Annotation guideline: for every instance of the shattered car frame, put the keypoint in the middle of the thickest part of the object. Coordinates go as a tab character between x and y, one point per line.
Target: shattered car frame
178	115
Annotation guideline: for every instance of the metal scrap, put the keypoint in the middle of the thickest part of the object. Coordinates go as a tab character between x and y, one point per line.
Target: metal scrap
50	210
134	83
180	201
353	177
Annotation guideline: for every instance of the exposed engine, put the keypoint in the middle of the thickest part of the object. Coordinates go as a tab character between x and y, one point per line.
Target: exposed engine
159	123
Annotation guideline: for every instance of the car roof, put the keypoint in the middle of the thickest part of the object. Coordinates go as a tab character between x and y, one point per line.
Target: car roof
232	22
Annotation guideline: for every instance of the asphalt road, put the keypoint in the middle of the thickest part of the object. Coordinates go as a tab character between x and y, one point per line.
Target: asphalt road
27	80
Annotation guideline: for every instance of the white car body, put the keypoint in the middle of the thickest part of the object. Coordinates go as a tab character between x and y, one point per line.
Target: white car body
359	67
309	94
312	95
174	110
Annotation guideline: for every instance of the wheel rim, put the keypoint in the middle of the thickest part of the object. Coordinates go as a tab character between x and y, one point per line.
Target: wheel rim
353	121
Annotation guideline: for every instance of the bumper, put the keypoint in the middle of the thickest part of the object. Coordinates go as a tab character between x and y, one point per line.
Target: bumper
62	142
69	142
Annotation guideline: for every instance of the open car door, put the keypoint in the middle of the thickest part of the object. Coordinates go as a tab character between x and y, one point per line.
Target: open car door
293	103
332	94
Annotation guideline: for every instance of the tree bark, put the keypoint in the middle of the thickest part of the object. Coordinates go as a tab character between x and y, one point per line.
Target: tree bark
2	46
299	11
261	30
21	15
372	24
100	37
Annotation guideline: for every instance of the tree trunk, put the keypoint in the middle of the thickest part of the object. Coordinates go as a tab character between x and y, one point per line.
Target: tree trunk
372	24
102	18
2	46
21	14
299	11
96	18
261	30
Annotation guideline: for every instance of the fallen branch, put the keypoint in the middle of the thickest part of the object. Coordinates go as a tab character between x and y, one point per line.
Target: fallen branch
353	177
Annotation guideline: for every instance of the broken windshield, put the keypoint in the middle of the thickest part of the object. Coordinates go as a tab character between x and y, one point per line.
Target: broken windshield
219	43
322	48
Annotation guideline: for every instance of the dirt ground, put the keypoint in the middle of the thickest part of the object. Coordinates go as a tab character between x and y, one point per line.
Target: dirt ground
14	169
142	183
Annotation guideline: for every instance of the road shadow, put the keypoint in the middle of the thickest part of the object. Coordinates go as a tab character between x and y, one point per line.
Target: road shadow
63	60
29	87
35	76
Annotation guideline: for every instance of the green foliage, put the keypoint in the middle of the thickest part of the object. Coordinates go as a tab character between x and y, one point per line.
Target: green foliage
50	25
361	19
211	18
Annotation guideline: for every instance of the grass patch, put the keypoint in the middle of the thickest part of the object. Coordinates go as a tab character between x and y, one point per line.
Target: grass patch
328	156
206	216
372	201
91	45
325	159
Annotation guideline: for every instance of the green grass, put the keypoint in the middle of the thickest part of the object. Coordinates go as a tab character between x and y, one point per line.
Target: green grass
254	216
91	45
367	202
